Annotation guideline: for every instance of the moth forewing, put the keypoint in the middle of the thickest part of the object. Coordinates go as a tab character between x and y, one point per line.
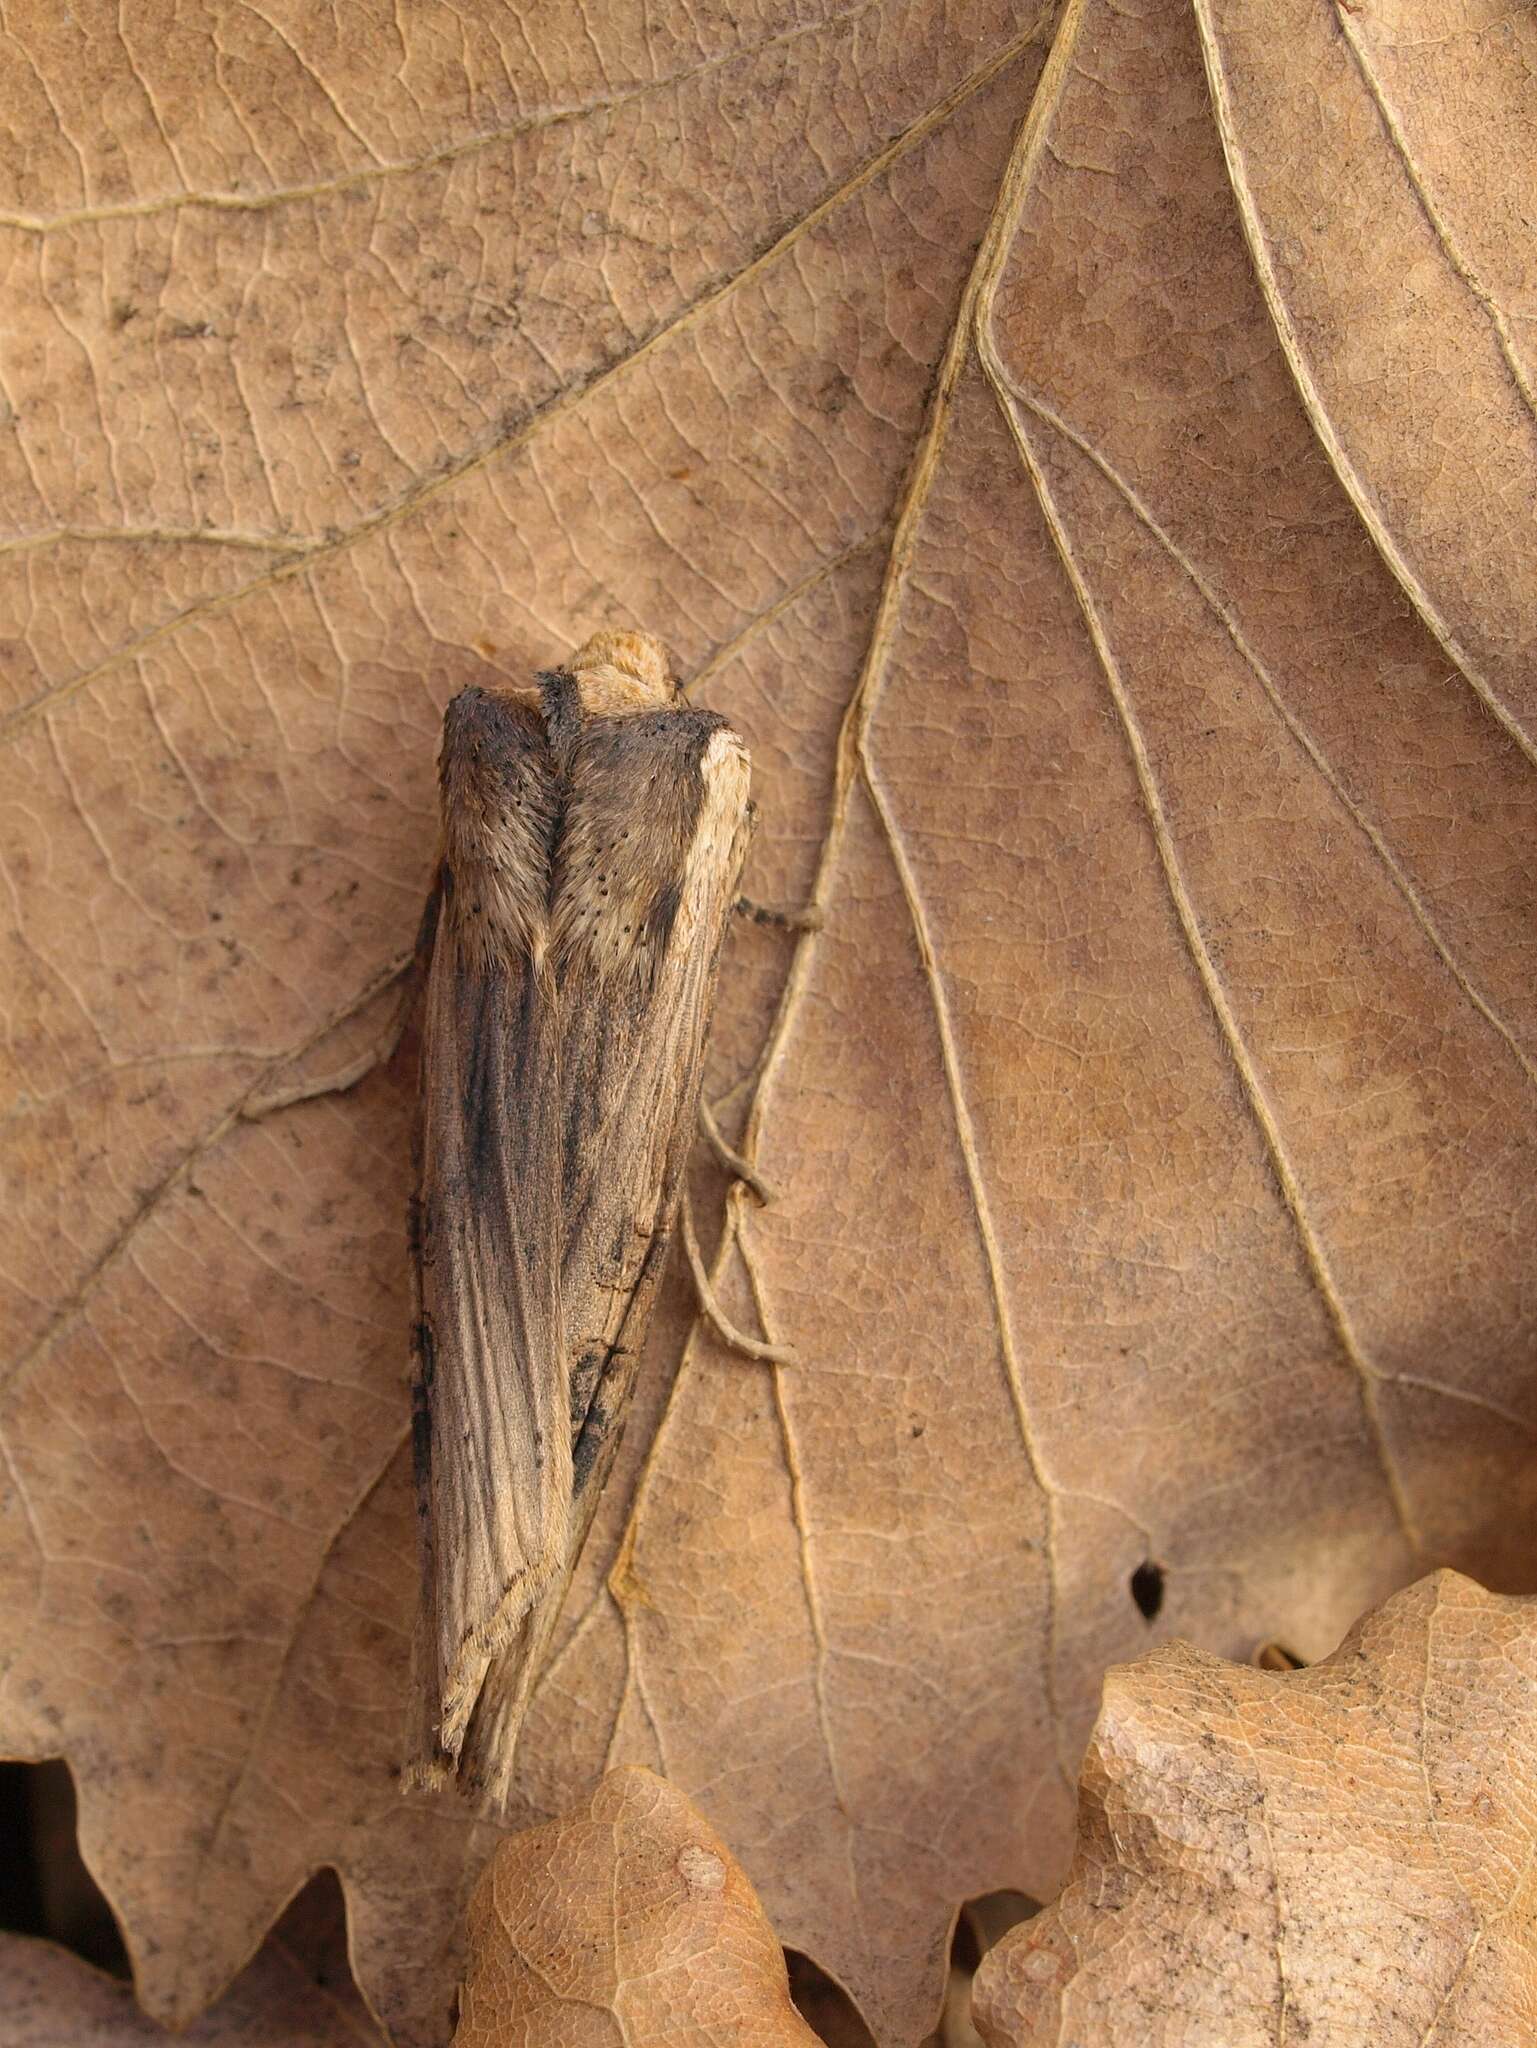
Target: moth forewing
492	1439
648	828
637	1024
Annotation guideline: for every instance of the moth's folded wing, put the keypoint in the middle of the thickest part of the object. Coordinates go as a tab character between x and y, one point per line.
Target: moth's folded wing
494	1454
655	834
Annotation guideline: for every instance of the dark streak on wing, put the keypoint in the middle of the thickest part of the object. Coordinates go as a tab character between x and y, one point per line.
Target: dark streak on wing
586	1435
481	1102
489	1427
663	914
424	1349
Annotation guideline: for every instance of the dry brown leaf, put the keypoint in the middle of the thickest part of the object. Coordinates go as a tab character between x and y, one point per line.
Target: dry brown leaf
350	360
1336	1855
287	1997
825	2006
628	1919
1384	158
1153	1115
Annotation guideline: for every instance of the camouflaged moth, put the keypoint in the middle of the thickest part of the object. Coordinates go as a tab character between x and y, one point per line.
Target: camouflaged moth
593	834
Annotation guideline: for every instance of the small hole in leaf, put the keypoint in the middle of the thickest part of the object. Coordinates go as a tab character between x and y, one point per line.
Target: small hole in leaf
45	1888
1147	1588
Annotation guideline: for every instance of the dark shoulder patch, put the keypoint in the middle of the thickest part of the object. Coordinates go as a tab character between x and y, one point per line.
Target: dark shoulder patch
481	1104
494	752
663	912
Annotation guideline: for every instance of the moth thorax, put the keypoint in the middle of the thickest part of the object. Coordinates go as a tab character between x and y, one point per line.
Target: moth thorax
617	673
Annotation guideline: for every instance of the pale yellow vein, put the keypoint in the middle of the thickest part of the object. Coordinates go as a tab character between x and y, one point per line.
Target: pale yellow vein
1456	255
121	1244
1367	1378
1317	410
1405	887
161	536
854	760
847	768
992	1251
209	1838
762	622
860	707
801	1515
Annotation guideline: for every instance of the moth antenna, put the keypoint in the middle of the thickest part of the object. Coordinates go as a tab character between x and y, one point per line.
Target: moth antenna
734	1162
725	1329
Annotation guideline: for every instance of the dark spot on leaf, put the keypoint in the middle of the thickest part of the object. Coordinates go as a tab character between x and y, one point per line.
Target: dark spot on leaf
1147	1588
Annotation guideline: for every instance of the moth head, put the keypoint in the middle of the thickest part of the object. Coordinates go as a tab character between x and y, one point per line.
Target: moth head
619	672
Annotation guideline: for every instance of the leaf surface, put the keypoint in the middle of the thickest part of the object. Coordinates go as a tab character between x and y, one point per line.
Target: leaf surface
1152	1116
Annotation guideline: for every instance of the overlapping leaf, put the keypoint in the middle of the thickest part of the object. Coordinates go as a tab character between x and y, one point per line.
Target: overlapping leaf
296	1993
628	1918
1338	1853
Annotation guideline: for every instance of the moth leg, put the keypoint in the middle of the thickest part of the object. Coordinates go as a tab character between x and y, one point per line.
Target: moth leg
733	1161
725	1329
807	919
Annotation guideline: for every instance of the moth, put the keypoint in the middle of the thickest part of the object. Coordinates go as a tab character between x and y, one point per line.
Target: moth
593	833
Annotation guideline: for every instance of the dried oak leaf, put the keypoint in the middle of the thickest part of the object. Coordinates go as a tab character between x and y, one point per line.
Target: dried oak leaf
1135	690
1336	1855
296	1992
628	1919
